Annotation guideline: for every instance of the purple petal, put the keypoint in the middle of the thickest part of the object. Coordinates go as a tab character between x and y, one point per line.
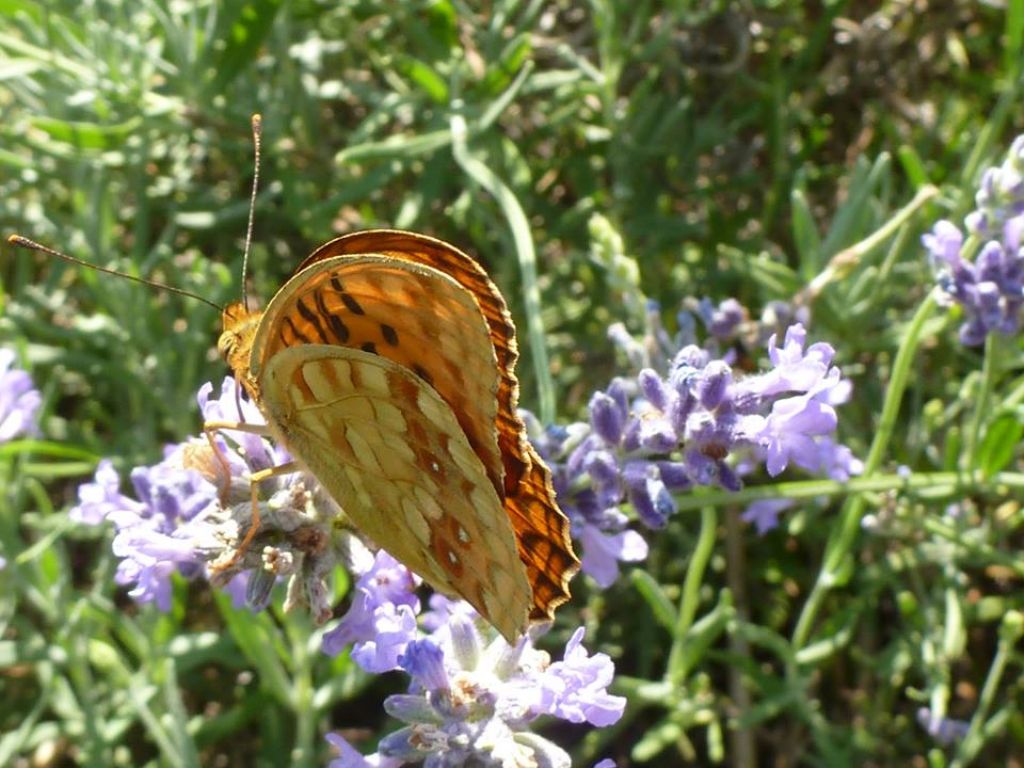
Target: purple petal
395	628
764	513
423	661
602	552
607	418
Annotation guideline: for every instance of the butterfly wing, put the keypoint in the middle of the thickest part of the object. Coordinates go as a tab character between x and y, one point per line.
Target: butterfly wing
542	530
411	314
392	454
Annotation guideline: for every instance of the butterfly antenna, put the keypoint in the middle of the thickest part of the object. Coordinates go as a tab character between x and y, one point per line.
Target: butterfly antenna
257	132
32	245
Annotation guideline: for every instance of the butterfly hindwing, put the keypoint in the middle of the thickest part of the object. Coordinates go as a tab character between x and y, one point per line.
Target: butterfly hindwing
392	454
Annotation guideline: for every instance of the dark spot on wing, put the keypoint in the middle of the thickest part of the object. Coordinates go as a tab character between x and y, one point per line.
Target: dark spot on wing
295	332
352	305
338	327
419	371
310	317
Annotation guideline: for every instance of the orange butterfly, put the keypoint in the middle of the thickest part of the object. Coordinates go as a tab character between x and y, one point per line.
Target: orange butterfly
385	367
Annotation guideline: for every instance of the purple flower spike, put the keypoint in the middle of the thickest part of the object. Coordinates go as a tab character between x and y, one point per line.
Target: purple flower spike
19	400
472	703
607	418
349	756
193	510
991	288
575	688
155	537
944	730
99	499
699	425
423	661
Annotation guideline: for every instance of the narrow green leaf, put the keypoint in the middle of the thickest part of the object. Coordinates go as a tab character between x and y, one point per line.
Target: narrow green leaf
650	590
1000	443
85	135
242	30
428	80
805	235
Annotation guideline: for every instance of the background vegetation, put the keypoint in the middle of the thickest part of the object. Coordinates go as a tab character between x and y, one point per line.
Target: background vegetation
731	149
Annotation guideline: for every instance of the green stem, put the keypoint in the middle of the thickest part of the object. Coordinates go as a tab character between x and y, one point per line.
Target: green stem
742	741
980	402
972	547
306	718
845	534
930	485
1009	633
847	259
523	240
690	599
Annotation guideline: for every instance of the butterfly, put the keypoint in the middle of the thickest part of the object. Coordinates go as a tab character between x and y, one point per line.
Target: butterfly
385	366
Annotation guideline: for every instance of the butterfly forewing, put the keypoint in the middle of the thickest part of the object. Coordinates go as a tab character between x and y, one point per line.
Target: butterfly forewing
392	454
542	530
411	314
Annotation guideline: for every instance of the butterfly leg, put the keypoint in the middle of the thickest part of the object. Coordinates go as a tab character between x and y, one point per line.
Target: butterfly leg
254	524
210	429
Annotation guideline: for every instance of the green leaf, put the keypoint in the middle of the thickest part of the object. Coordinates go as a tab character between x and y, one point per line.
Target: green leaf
86	135
650	590
241	31
428	80
501	73
1000	443
805	235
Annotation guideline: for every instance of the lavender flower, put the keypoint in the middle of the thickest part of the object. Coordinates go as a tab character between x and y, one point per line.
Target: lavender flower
764	513
382	619
473	702
1000	195
192	511
149	535
945	730
575	689
604	549
19	400
350	757
990	289
695	423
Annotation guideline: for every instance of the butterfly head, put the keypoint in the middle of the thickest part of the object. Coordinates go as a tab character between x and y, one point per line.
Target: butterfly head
235	342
